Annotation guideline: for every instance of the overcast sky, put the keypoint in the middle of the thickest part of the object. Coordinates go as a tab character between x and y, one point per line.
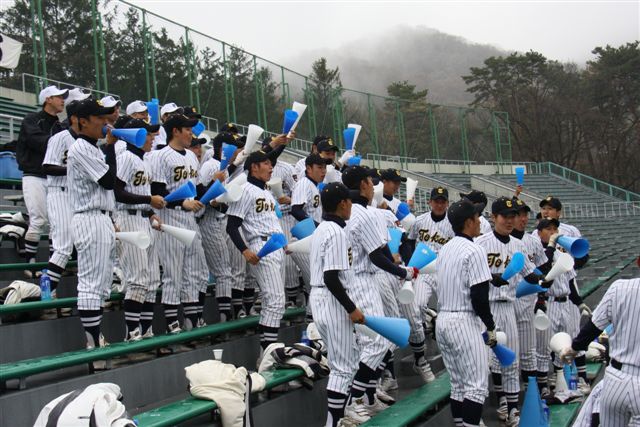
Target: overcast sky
566	31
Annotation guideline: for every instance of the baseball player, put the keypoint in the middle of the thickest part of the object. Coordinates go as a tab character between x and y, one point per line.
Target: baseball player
462	287
31	147
300	167
500	249
91	176
138	110
479	198
391	180
620	396
255	214
184	280
108	102
134	204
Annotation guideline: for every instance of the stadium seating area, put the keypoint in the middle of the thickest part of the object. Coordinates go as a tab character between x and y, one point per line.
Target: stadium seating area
43	351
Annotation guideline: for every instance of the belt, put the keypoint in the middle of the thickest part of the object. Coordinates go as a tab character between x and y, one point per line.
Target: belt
143	213
175	208
559	299
501	300
615	364
61	188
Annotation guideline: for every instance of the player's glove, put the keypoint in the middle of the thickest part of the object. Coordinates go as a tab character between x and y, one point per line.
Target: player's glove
567	355
498	281
491	339
240	158
540	305
553	239
345	157
412	273
584	309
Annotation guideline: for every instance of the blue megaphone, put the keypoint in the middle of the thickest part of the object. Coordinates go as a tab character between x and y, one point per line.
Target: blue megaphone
538	272
290	118
402	211
278	211
198	128
519	175
275	242
396	239
532	413
214	191
135	136
422	256
185	191
504	354
321	186
348	135
515	265
304	228
227	153
576	246
153	107
525	288
394	329
354	161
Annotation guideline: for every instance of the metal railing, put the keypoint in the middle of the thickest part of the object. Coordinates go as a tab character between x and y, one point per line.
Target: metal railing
41	82
14	123
600	210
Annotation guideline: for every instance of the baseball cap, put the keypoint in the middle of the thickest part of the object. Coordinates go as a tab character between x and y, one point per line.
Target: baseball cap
353	175
141	124
462	210
191	112
197	141
168	108
229	127
91	107
72	108
122	121
392	175
255	157
503	206
319	138
546	222
50	91
136	107
520	205
178	121
476	196
110	101
332	194
76	94
439	193
315	159
551	201
326	145
376	176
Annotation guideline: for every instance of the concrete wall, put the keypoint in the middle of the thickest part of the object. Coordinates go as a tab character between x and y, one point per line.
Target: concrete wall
19	96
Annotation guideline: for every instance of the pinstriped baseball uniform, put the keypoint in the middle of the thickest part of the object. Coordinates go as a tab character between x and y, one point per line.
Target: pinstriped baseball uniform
306	193
183	276
501	300
460	265
333	175
256	208
367	233
93	232
59	207
331	250
524	306
239	266
485	225
299	169
620	306
213	225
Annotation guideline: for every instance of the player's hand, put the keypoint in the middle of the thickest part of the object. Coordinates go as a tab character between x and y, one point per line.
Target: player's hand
491	339
412	273
220	176
192	205
214	203
284	200
251	257
518	190
281	139
158	202
567	355
239	157
540	305
553	238
411	203
156	223
497	280
356	316
344	159
585	310
397	259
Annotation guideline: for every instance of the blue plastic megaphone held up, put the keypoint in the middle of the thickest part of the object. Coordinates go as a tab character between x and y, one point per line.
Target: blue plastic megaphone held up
185	191
354	161
290	118
402	211
275	242
348	135
576	246
304	228
213	192
396	238
135	136
515	265
504	354
422	256
198	128
153	107
519	175
227	153
525	288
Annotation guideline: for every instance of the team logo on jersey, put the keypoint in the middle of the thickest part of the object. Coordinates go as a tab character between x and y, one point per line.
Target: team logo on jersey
139	178
180	173
496	261
424	236
263	205
350	255
316	201
65	157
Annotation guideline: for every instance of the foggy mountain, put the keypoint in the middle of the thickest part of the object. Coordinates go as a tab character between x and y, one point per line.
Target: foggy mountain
425	57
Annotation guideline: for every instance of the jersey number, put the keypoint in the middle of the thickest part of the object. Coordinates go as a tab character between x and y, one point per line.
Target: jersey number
316	201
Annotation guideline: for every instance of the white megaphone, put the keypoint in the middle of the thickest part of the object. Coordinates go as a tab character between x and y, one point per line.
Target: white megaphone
358	128
253	134
541	321
563	264
300	109
138	238
559	342
239	180
330	176
408	221
378	194
276	186
233	194
429	268
300	246
406	294
501	337
412	184
182	234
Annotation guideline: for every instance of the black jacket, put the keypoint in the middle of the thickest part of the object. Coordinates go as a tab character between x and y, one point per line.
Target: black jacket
35	131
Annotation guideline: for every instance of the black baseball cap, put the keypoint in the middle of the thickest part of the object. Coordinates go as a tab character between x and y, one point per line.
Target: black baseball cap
376	176
141	124
319	138
554	202
229	127
122	121
476	196
191	112
315	159
197	141
178	121
462	210
352	176
546	222
439	193
71	108
392	175
332	194
92	107
255	157
520	205
503	206
326	145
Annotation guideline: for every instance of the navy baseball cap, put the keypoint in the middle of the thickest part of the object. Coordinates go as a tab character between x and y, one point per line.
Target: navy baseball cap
353	175
229	127
520	205
92	107
503	206
178	121
191	112
255	157
475	196
141	124
326	145
439	193
554	202
392	175
315	159
462	210
547	222
332	194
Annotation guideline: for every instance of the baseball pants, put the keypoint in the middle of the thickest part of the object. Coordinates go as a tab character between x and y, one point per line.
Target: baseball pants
60	218
562	319
216	252
237	264
269	276
620	398
463	351
34	191
367	298
504	315
424	287
291	271
95	241
390	285
526	332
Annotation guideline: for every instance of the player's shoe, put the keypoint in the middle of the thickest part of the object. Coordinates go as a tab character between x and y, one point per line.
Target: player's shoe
135	335
545	393
503	410
384	397
98	365
357	411
424	371
148	334
347	422
174	327
514	418
201	323
387	382
583	386
375	407
254	311
241	314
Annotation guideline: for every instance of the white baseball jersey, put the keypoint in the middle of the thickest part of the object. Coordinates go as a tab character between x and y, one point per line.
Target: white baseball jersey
367	233
160	138
299	169
174	168
460	265
388	217
57	152
534	250
86	165
135	173
120	147
285	172
330	250
333	175
569	230
392	203
207	171
499	255
485	225
257	209
434	233
306	193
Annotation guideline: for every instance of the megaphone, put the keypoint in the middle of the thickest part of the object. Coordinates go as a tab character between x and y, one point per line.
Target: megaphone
563	264
182	234
541	321
354	161
138	238
358	128
395	241
348	135
276	241
404	215
299	108
408	221
233	194
136	136
290	117
300	246
406	294
525	288
198	128
253	134
559	342
275	184
532	413
378	194
520	175
239	180
412	184
227	154
213	192
501	337
504	354
185	191
515	265
153	107
422	256
394	329
321	185
304	228
576	246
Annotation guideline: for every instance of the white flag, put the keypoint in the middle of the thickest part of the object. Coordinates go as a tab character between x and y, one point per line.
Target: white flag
10	50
